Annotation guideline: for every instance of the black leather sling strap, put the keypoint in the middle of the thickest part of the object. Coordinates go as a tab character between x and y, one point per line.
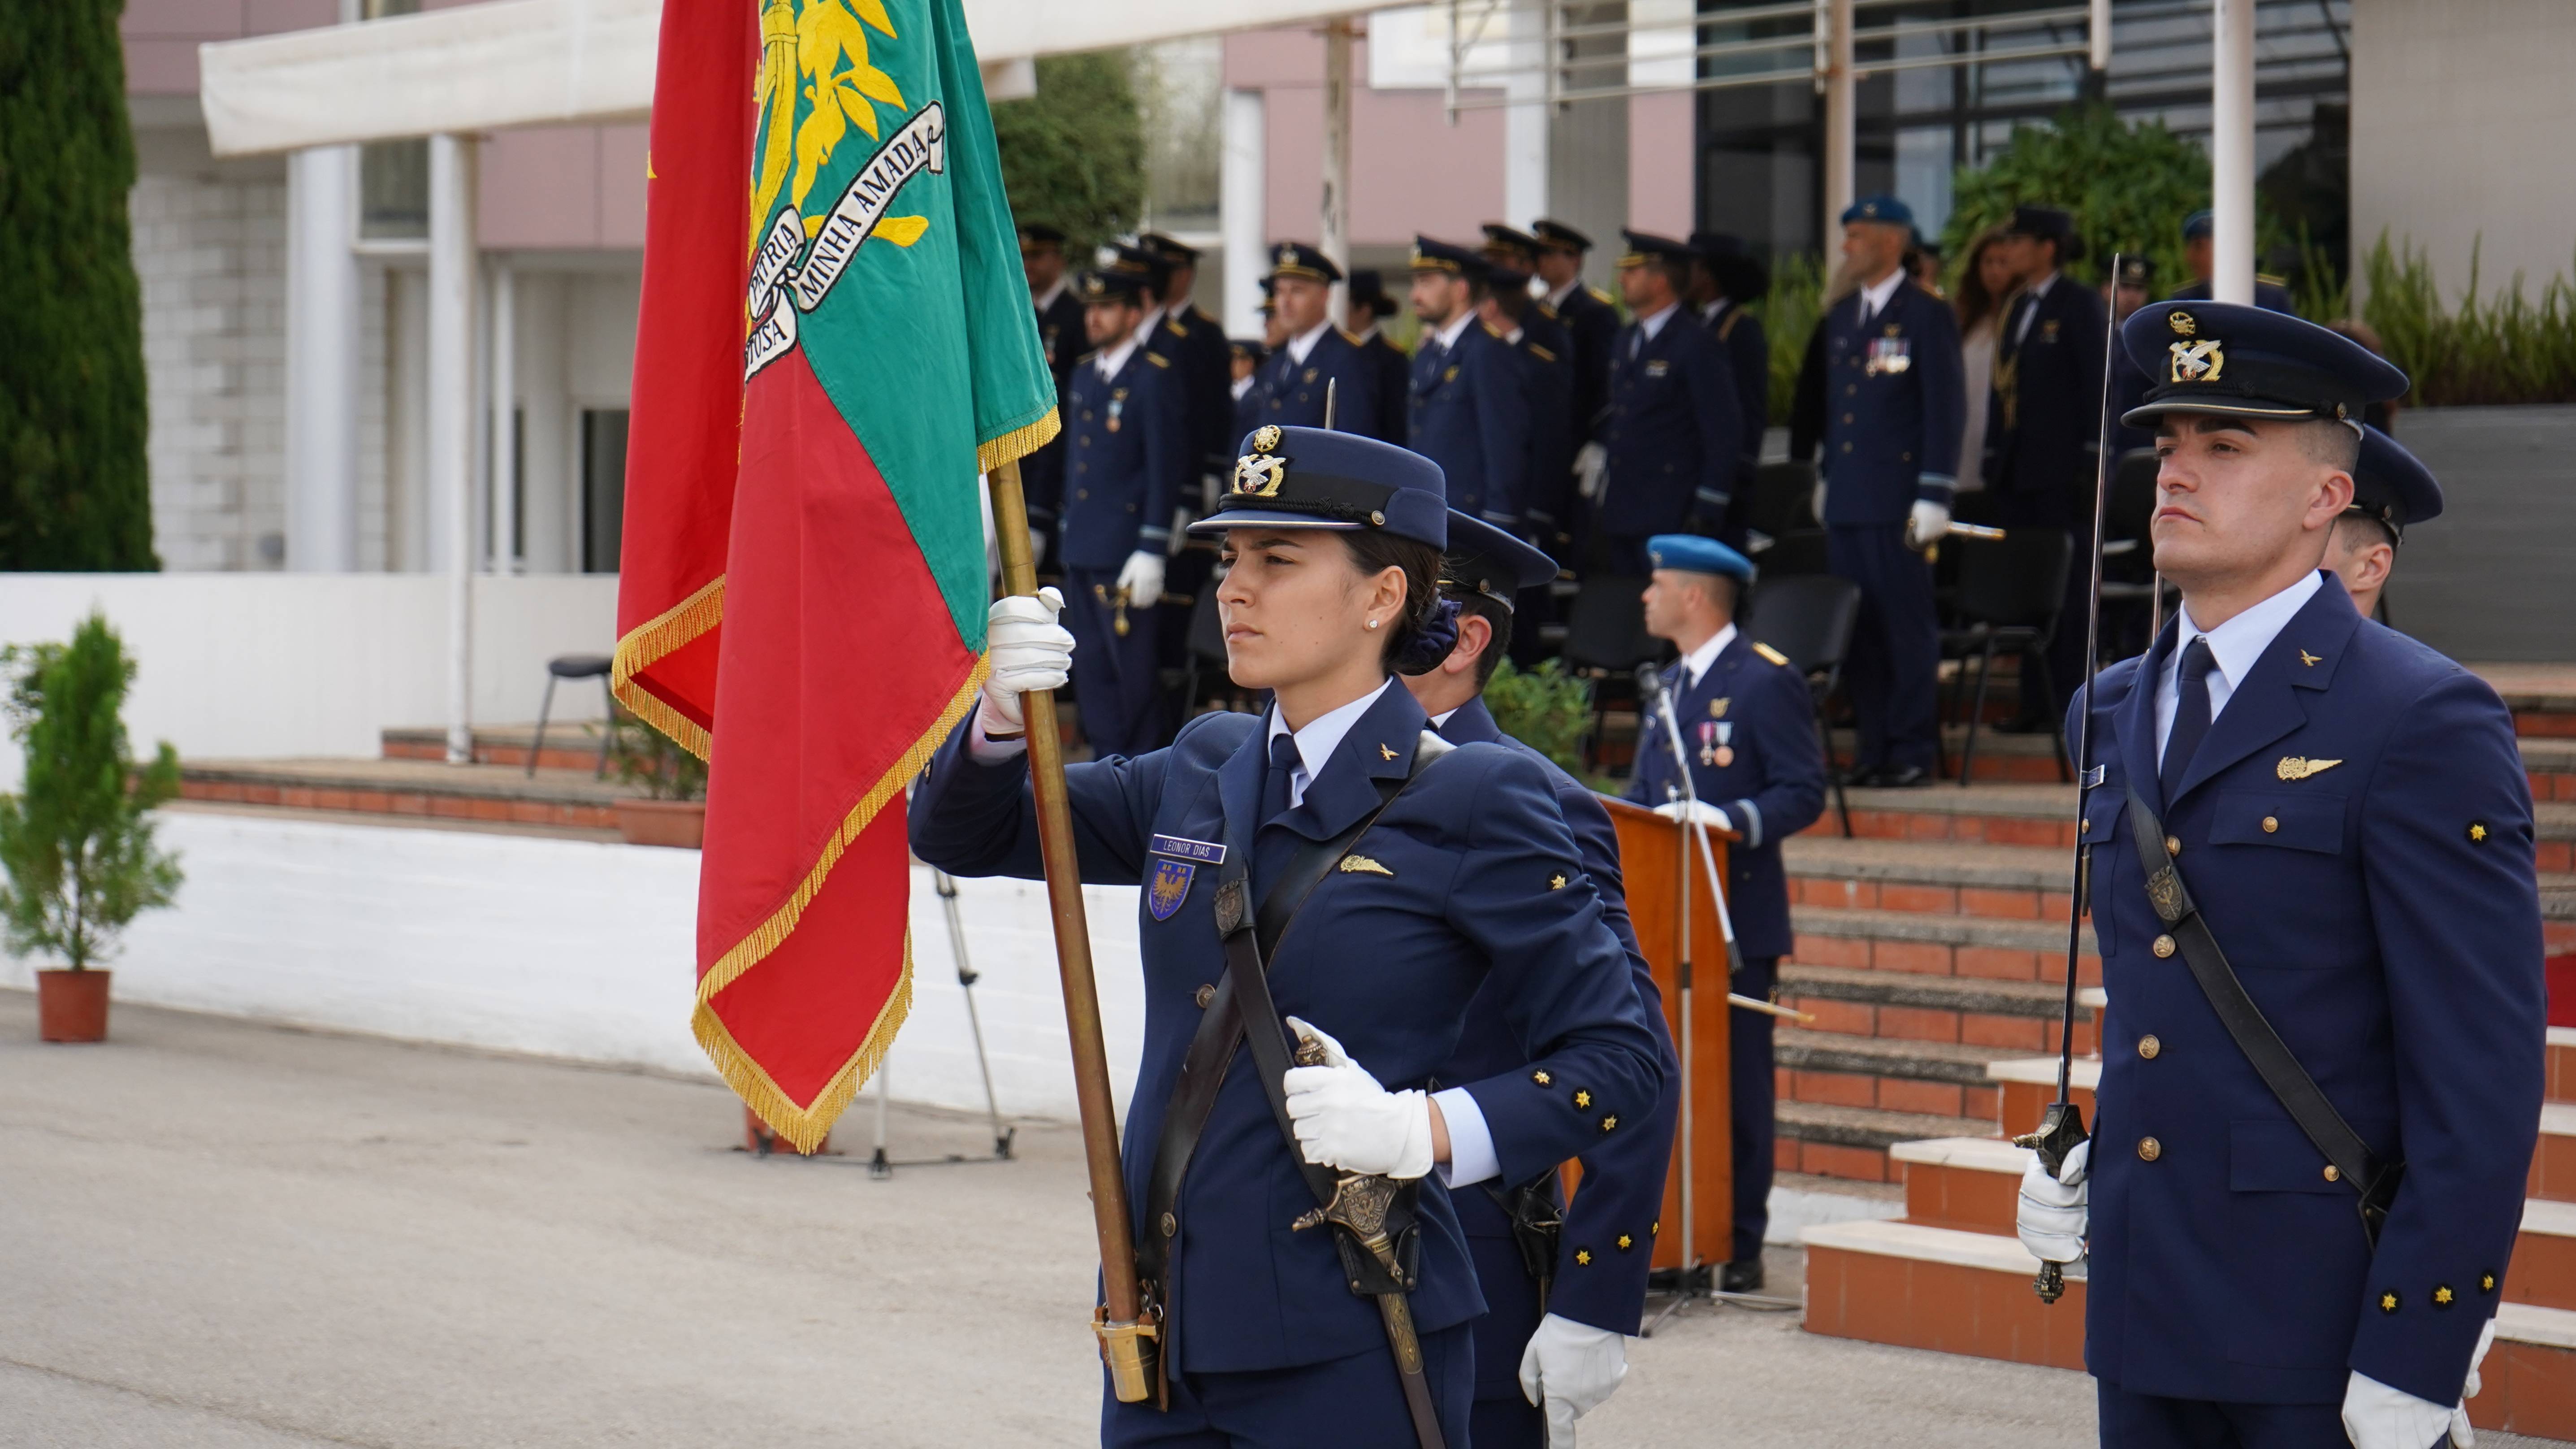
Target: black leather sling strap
1212	1048
2352	1160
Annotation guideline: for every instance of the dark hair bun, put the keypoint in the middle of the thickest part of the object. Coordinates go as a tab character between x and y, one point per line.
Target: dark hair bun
1430	643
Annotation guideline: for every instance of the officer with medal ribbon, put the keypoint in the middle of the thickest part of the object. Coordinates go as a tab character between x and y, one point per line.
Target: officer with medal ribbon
2391	490
1466	413
1893	405
2043	428
1731	280
1130	459
1673	431
2312	883
1332	876
1758	769
1389	367
1552	1346
1319	362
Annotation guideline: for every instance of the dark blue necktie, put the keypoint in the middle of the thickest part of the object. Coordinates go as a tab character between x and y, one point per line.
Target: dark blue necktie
2191	716
1270	847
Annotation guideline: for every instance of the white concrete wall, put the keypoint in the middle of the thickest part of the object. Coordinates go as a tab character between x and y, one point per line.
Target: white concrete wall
284	665
572	949
2455	109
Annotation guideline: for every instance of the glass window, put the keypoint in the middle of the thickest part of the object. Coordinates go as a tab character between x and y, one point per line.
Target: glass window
603	487
393	176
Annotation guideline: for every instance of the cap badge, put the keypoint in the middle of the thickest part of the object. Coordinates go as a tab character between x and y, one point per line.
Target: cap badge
2182	324
1258	475
2197	361
1265	440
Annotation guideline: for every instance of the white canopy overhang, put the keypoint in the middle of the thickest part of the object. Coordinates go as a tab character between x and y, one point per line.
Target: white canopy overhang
556	62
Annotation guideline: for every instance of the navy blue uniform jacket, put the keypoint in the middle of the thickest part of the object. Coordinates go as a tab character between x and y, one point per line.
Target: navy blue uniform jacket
1467	416
1128	460
1391	374
1895	404
1042	472
1591	324
1773	788
2381	907
1548	379
1292	394
1203	363
1748	353
1484	891
1609	1231
2043	439
1675	430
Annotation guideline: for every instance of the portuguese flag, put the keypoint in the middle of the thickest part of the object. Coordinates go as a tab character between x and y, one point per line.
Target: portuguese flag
835	341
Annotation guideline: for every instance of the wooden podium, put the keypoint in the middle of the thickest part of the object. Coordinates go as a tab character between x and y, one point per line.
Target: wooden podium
1650	862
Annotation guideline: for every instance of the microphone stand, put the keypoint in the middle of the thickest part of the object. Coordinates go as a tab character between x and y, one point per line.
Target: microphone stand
2061	1128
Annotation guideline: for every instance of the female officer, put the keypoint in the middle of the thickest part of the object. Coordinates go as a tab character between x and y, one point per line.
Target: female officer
1412	883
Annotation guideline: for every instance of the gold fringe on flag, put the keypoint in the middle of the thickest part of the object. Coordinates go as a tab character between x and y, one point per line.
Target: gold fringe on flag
1018	443
652	640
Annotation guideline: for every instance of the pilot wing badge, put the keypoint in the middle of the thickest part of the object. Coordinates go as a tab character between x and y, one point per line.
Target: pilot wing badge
1169	887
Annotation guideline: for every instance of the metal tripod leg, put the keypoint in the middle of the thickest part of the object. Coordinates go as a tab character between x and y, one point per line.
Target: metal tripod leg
880	1165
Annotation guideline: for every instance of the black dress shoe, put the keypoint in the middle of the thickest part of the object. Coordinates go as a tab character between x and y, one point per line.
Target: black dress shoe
2028	725
1741	1276
1896	777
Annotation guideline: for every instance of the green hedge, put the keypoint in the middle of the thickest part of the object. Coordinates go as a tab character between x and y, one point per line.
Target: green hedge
2496	349
1073	155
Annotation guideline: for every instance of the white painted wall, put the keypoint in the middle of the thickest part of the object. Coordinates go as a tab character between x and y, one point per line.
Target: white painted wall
572	949
285	665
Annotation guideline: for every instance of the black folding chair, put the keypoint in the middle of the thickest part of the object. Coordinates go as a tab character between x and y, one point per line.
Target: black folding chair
1783	498
577	666
1810	619
2011	591
1606	639
2128	553
1799	551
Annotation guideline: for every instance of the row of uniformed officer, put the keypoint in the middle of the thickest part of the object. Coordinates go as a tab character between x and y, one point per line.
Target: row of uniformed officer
1316	364
1467	409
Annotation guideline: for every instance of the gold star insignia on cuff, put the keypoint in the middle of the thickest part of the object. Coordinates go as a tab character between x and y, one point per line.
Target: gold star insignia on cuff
2443	1296
1556	882
1541	1077
1583	1257
1610	1121
2387	1302
2478	831
2486	1282
1626	1242
1582	1099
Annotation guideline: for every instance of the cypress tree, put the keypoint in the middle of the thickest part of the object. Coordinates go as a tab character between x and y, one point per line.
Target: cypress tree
74	488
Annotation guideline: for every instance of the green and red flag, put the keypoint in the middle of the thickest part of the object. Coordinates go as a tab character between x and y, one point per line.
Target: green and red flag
835	342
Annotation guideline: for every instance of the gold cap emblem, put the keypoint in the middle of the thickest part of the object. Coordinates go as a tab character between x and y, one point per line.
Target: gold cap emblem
2197	361
1259	475
2182	324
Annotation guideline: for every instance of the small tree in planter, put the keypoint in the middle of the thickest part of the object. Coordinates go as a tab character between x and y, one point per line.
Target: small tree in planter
674	808
76	844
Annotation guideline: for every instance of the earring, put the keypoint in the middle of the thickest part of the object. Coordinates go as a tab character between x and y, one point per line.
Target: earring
1372	623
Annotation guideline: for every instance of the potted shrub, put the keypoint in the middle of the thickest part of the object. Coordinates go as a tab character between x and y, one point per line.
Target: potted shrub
77	859
673	808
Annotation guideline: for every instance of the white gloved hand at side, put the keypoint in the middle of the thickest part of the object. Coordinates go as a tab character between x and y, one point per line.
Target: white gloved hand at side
1816	501
2463	1434
1027	650
1345	1119
1930	520
1590	462
1141	579
1568	1369
1699	811
2376	1416
2051	1217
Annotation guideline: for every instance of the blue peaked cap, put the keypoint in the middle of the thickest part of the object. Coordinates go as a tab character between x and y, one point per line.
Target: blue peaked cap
1310	478
1483	559
2237	361
2392	484
1883	207
1694	554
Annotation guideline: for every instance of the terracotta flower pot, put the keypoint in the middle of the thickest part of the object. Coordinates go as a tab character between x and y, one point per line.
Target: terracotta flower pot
71	1005
682	823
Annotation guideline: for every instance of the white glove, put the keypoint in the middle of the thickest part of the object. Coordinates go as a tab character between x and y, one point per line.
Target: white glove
1568	1369
1695	810
1037	545
1142	579
2051	1218
1590	462
1344	1119
1929	522
1028	651
2376	1416
1816	501
2463	1434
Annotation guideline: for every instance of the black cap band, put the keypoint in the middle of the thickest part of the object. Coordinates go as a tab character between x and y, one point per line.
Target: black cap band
1350	502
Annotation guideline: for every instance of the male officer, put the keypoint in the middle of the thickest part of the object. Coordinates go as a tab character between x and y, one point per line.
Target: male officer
1319	362
1391	369
1198	354
2391	489
1246	354
1894	404
2200	253
1130	460
1547	374
1060	329
1466	412
1591	320
1732	279
1673	433
1749	727
2043	430
1559	1342
2342	837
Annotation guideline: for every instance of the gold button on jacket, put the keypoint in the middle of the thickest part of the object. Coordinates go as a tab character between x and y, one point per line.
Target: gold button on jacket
2149	1149
2148	1046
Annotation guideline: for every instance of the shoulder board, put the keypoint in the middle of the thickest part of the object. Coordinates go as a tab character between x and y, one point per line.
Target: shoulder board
1086	357
1546	308
1158	359
2268	277
1492	331
1932	292
1541	353
1774	655
1599	296
1726	328
1350	337
1174	326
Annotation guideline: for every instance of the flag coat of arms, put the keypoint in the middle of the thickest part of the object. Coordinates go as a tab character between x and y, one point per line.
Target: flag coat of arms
835	340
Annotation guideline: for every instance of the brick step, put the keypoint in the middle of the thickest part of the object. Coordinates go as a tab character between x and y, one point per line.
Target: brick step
495	794
2551	763
1842	1070
1926	944
570	745
1918	1286
2027	1085
1851	1143
2007	1017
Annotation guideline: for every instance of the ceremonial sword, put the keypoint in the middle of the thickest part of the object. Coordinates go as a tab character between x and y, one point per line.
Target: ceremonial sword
2061	1128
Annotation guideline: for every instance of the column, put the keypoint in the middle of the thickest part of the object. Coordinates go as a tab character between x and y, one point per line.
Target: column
1241	187
1335	238
1526	119
451	417
502	474
322	360
1834	77
2231	153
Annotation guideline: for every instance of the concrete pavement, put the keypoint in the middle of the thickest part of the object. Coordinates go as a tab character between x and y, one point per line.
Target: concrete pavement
225	1234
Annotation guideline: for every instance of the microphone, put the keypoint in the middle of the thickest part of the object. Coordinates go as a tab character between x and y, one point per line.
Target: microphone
1650	682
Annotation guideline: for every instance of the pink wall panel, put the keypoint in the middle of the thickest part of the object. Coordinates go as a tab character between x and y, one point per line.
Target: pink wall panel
1660	187
1411	172
192	19
621	186
267	17
1258	58
160	67
540	188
